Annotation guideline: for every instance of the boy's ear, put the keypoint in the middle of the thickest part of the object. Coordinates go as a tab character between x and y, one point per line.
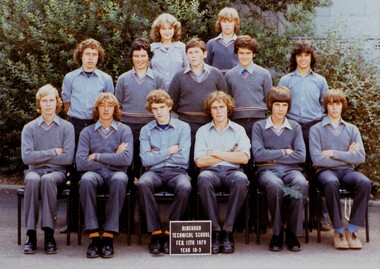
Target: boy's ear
205	54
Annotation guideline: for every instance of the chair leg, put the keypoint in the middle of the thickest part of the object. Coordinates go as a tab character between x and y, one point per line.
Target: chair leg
129	220
247	208
257	218
307	221
366	225
319	212
18	219
139	210
68	221
79	223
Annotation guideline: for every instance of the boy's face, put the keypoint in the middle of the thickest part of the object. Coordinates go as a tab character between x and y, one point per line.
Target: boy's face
90	59
228	26
106	110
334	110
219	111
161	112
48	105
140	59
303	60
279	110
245	57
196	56
166	32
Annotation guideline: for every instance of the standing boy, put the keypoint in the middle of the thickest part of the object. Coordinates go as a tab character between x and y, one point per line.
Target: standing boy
164	151
220	50
104	153
133	87
221	146
335	148
47	147
279	149
249	84
81	87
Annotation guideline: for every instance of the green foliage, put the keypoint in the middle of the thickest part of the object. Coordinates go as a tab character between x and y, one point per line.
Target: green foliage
37	38
346	65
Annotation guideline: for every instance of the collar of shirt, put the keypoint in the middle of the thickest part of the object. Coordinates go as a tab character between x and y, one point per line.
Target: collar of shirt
96	71
41	120
269	124
230	124
296	73
172	124
149	73
226	41
326	121
206	68
161	46
249	68
98	124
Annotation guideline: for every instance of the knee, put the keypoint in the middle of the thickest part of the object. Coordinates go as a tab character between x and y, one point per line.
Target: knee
204	180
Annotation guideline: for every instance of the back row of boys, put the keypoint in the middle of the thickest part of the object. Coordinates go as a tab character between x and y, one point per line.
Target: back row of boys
220	146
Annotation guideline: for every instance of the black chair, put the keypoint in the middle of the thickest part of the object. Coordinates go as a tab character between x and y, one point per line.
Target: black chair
102	198
261	196
63	193
344	194
160	196
224	196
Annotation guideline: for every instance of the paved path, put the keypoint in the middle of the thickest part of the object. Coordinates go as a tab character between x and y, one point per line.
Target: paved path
313	255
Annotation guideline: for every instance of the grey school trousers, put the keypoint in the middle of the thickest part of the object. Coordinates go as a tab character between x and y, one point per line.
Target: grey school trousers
218	178
174	180
44	185
331	180
274	182
116	182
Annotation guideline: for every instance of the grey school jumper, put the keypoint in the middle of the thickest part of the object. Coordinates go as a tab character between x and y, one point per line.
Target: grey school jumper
107	169
339	170
278	170
249	92
188	94
47	170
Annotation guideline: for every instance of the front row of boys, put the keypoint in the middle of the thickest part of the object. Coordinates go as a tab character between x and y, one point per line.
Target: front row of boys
105	151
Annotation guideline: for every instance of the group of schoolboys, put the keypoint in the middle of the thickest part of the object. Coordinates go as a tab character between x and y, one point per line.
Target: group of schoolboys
221	112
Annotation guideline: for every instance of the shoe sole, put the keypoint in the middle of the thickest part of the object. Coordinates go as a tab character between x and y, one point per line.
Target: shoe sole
51	252
275	249
29	252
92	257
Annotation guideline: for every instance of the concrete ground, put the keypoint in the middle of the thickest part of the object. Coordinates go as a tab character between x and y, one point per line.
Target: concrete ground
314	255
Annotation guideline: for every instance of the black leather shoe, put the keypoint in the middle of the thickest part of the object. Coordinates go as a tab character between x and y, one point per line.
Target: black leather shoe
107	247
155	244
165	244
276	242
30	245
228	243
50	246
93	250
216	242
291	241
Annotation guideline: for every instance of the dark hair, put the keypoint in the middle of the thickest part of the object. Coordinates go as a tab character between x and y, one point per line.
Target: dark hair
196	43
279	94
158	97
88	43
107	97
299	47
245	42
219	96
335	96
140	44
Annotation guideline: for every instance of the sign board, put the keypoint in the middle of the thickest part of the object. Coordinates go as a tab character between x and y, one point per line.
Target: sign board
190	237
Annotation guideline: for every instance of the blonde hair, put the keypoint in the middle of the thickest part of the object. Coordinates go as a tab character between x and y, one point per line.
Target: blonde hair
160	21
44	91
222	97
107	97
230	14
158	97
